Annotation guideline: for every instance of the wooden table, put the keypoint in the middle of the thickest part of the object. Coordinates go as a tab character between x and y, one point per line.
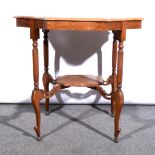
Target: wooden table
118	28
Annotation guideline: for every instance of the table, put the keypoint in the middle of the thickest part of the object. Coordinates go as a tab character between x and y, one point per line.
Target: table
118	28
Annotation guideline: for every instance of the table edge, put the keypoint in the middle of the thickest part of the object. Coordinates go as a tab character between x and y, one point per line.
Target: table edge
79	19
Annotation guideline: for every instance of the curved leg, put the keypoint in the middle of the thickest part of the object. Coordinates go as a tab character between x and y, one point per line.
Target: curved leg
119	98
36	104
36	94
118	95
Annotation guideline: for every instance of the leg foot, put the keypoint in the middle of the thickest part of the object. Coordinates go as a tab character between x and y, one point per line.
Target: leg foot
116	140
116	136
36	97
38	138
119	103
37	130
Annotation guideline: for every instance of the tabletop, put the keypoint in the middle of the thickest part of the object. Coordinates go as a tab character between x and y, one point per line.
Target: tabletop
98	24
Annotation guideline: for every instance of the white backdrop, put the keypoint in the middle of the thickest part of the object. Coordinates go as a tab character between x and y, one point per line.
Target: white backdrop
16	82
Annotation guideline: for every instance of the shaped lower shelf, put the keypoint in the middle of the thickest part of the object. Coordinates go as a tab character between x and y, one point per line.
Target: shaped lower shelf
79	80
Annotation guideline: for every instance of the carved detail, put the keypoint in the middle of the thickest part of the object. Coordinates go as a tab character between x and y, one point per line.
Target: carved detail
103	92
108	81
56	88
47	78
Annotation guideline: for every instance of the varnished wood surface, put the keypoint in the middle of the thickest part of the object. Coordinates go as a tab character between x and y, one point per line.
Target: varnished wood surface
79	80
86	24
79	19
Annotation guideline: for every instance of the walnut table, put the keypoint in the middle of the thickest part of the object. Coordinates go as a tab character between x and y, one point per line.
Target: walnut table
118	28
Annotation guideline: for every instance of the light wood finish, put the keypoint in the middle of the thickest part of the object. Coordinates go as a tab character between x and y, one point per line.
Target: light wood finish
117	26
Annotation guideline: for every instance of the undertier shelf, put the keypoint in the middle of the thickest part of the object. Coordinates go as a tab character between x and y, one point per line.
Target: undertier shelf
79	80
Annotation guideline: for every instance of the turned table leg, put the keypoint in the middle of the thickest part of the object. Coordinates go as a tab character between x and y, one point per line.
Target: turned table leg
119	97
36	93
46	75
114	76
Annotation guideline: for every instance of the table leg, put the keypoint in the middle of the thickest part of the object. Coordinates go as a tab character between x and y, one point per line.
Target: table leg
119	97
36	92
114	76
46	75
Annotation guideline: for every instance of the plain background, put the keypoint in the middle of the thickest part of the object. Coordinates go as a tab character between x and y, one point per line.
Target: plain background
16	80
